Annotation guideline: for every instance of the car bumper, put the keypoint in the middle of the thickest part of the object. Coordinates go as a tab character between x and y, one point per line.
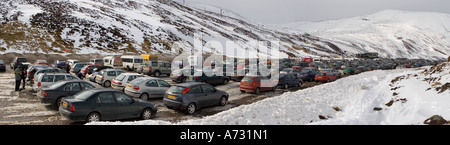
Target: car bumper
71	115
133	93
320	79
45	99
174	104
117	87
247	88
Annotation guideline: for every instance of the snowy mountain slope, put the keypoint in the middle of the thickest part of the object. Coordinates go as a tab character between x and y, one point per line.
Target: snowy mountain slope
375	97
168	27
391	33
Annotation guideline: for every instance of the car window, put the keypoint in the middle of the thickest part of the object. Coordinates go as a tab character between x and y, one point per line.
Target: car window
154	64
47	78
163	83
121	77
168	64
119	72
86	86
258	79
161	64
122	98
207	89
59	77
151	83
72	87
195	90
105	98
111	73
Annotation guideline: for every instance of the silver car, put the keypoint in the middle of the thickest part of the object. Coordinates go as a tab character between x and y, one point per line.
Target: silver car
47	79
105	77
123	79
147	87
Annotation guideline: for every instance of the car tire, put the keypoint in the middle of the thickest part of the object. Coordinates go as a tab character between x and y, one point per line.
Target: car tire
92	117
242	91
223	101
286	86
328	80
299	84
157	74
58	102
146	114
144	96
191	108
274	88
257	91
225	81
107	84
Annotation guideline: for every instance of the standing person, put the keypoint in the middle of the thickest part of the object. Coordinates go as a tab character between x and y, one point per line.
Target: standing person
68	68
24	77
18	77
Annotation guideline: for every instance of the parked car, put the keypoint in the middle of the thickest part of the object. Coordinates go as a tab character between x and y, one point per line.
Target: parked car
190	97
40	70
105	104
77	67
287	80
71	62
308	73
253	84
156	68
332	72
123	79
55	92
41	62
349	71
105	77
325	77
95	71
147	87
16	61
200	76
61	64
47	79
2	65
290	71
88	69
179	75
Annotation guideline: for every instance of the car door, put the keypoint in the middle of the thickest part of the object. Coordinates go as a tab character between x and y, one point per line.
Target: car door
128	109
72	88
210	95
152	87
198	96
163	86
107	106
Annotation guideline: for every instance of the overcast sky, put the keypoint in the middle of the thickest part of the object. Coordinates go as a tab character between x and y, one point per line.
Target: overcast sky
285	11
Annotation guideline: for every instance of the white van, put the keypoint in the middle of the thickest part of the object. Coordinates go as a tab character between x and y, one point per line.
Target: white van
131	62
113	61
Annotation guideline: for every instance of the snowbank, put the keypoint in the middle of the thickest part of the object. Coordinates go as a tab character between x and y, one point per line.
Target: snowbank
376	97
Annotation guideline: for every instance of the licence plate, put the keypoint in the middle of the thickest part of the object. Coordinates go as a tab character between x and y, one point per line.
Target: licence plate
172	96
64	104
191	78
129	86
319	77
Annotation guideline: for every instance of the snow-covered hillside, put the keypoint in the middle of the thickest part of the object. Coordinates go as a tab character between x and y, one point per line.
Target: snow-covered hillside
406	96
391	33
166	26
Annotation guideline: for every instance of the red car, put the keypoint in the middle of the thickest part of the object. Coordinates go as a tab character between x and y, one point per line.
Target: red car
41	62
253	84
87	68
324	77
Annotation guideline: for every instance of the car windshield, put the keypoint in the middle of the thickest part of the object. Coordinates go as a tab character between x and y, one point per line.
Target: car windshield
57	85
321	74
83	95
120	77
176	89
247	79
137	80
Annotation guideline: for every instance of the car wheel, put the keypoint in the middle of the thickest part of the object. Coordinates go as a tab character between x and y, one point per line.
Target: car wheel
225	81
286	86
107	84
274	88
191	108
157	74
223	101
146	114
58	101
257	91
299	84
328	80
144	97
242	91
93	117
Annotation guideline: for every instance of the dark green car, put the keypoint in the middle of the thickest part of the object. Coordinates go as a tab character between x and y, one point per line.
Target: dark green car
105	104
349	71
200	76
